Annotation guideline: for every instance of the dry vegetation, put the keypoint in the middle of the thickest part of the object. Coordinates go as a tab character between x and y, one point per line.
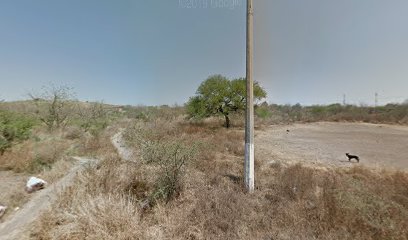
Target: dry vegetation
187	184
30	148
277	114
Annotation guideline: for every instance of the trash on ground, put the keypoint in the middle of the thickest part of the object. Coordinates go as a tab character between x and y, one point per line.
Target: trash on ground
2	210
35	184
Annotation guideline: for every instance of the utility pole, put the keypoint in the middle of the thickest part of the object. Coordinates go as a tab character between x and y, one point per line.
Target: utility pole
344	99
249	121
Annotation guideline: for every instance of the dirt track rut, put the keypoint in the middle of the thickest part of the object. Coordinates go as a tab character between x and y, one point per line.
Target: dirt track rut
17	226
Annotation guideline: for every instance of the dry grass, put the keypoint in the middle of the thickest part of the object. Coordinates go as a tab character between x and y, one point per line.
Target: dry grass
34	155
102	204
109	200
41	157
277	114
11	196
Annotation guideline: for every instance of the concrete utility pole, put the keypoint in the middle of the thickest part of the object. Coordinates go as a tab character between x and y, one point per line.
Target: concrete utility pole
249	122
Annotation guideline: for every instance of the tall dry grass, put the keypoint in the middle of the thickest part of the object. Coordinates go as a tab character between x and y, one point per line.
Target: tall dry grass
34	156
111	200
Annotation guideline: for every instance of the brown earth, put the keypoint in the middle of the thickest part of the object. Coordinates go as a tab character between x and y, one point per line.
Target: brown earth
377	145
12	194
17	225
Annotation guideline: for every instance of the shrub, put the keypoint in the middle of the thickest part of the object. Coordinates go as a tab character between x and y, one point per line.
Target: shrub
4	144
171	158
263	112
14	127
72	133
92	118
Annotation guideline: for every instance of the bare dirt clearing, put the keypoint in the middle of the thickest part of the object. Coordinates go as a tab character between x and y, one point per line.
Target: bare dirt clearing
377	145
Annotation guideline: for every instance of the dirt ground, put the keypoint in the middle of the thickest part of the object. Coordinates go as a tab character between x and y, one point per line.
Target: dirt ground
377	145
17	224
12	192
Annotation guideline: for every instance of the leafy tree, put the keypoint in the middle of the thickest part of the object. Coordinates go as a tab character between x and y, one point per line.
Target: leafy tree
220	96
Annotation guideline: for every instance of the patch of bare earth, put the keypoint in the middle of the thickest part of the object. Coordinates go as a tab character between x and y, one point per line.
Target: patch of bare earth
120	146
316	143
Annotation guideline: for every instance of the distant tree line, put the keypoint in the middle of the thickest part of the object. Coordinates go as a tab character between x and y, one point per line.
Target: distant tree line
275	114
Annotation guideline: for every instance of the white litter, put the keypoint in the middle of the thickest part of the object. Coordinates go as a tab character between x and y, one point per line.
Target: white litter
2	210
35	184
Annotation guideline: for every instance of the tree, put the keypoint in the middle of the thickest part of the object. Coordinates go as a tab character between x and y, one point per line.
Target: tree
220	96
54	105
93	117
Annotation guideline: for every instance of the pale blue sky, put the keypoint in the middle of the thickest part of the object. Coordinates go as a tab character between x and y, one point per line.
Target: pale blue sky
158	51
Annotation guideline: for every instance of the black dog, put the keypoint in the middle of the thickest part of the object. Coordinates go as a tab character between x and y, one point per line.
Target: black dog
352	156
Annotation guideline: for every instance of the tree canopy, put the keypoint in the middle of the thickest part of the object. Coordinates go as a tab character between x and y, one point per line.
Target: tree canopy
220	96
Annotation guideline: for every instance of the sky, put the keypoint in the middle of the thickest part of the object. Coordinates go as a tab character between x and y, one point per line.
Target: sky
157	52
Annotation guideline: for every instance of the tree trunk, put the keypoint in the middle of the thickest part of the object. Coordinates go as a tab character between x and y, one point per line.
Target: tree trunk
227	121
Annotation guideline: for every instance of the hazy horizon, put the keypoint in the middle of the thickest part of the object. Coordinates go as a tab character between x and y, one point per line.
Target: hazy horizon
158	52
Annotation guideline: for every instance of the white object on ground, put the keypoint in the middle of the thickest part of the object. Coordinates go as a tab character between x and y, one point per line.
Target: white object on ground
35	184
2	210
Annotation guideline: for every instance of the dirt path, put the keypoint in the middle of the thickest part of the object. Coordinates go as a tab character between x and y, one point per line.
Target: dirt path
119	143
17	225
377	145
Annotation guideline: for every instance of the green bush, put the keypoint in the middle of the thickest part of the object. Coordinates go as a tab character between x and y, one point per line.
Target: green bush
263	112
171	157
4	144
14	127
168	156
